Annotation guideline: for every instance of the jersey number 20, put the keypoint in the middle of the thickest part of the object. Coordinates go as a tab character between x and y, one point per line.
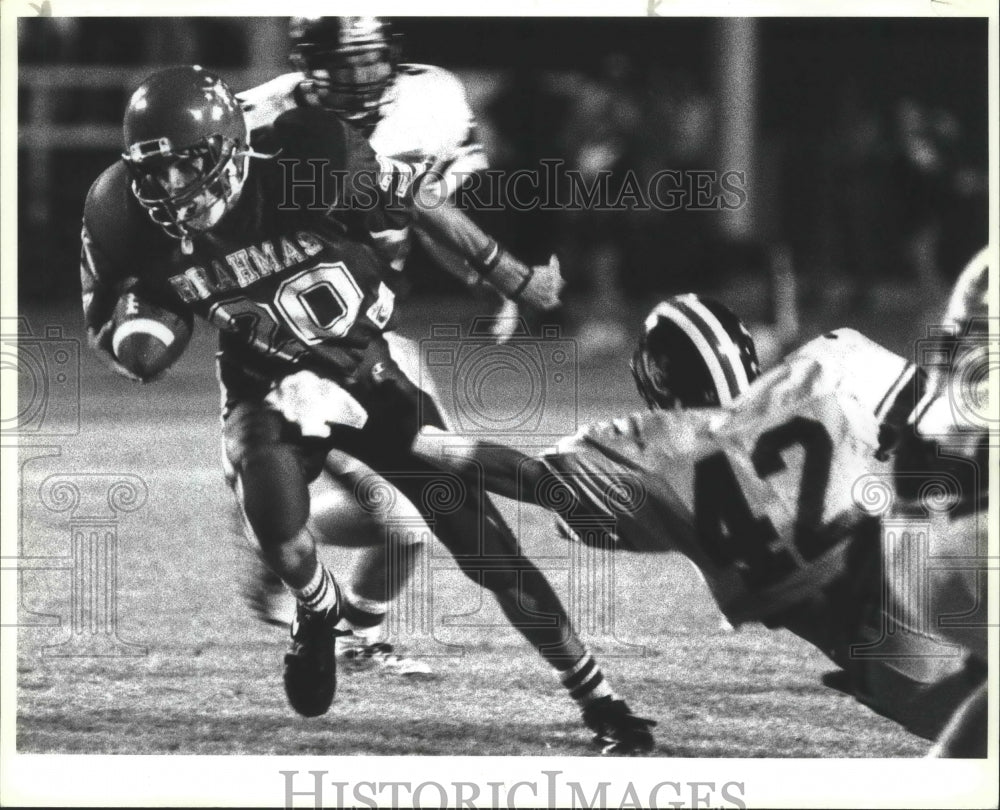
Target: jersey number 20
317	304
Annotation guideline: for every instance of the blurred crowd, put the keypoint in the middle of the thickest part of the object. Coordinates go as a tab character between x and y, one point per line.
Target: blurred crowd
891	186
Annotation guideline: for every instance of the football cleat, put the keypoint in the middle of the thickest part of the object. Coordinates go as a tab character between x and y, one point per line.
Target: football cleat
618	732
310	663
360	653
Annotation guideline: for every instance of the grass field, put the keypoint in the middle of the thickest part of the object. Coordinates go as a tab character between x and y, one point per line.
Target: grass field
209	679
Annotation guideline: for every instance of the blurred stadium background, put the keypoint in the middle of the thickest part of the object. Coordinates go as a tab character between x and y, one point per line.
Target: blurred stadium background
864	140
865	147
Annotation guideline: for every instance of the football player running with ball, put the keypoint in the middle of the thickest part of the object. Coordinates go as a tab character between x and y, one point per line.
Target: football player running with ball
760	493
195	220
416	114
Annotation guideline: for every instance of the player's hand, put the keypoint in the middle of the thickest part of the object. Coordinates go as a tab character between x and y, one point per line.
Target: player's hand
545	286
505	321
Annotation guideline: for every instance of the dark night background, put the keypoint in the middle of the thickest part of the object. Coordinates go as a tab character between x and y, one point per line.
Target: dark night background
869	139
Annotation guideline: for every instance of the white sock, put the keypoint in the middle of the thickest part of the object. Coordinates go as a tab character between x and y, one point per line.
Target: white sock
320	593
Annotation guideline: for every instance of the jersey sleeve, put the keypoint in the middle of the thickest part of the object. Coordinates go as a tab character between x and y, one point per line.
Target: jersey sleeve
111	262
264	103
370	194
463	154
430	116
102	274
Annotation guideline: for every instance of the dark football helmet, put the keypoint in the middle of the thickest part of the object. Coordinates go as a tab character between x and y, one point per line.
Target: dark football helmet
350	62
693	353
186	148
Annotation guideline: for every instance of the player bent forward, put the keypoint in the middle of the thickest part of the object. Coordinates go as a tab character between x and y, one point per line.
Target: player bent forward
302	303
758	494
414	113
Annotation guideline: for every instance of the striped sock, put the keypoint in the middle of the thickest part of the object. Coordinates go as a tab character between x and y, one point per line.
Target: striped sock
585	681
320	594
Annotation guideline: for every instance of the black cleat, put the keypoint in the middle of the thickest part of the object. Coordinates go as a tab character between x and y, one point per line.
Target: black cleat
310	663
616	730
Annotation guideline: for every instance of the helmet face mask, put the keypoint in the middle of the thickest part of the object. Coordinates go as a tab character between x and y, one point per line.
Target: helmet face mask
188	191
651	382
694	353
186	149
350	62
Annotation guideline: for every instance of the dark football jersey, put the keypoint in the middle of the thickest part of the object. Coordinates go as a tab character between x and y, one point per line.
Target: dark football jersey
289	275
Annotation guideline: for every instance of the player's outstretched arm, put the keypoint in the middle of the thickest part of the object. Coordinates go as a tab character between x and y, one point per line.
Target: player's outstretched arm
538	287
504	470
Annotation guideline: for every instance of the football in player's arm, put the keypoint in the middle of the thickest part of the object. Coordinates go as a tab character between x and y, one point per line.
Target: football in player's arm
196	220
760	495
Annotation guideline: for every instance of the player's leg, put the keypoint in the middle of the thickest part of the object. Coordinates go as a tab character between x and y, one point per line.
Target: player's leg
966	734
383	570
382	565
386	563
335	518
489	554
270	468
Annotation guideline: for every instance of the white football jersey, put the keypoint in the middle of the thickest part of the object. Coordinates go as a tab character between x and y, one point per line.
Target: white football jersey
425	117
761	496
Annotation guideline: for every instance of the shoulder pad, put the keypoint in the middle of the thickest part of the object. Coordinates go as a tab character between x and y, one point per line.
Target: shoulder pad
265	102
853	366
842	344
312	132
436	86
111	214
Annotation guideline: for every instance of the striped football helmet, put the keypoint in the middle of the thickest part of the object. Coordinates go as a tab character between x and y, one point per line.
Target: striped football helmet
693	353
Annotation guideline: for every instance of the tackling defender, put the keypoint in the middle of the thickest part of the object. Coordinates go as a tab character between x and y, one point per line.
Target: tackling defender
302	302
759	493
408	112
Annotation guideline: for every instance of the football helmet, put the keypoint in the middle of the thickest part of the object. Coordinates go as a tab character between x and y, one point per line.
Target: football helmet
350	62
693	353
186	148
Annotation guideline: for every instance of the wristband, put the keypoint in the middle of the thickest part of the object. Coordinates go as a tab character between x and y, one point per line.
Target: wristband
514	296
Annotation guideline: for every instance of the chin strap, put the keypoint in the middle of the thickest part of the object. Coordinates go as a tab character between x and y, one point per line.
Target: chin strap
250	152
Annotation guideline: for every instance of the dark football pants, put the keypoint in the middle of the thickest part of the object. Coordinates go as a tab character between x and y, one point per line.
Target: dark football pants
275	465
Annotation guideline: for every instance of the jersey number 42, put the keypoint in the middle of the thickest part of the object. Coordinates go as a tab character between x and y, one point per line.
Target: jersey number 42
734	536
